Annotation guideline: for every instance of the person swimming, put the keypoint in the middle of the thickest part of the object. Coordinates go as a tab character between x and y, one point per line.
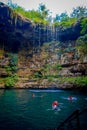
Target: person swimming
33	95
55	105
71	98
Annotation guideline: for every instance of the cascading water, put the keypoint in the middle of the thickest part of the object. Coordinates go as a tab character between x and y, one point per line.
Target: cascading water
39	37
43	33
33	38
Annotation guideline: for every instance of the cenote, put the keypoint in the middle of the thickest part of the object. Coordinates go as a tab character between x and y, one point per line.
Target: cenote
20	111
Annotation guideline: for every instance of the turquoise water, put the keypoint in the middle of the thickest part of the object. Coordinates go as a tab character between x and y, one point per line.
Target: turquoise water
20	111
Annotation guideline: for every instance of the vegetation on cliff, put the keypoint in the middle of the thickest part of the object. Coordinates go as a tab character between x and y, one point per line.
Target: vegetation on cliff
82	44
43	15
35	52
11	69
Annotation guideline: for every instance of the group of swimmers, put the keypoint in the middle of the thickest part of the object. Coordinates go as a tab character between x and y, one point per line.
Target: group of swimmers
55	104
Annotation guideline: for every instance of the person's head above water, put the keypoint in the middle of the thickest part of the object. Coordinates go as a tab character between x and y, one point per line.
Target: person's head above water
55	103
33	95
70	98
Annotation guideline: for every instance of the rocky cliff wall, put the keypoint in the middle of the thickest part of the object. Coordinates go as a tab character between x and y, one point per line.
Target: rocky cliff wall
17	32
39	64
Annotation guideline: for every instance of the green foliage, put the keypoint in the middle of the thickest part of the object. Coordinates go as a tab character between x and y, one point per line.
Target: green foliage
57	66
47	44
79	12
64	17
37	16
61	18
11	70
10	81
8	70
69	49
82	44
81	81
11	4
84	26
59	53
66	23
13	60
43	11
56	18
12	66
47	66
50	79
38	74
43	16
77	81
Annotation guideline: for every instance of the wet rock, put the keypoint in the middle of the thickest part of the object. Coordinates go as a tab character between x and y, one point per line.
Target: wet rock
3	72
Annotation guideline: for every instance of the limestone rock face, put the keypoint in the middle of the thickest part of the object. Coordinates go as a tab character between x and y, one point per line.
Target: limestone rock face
3	72
70	33
14	29
18	32
35	58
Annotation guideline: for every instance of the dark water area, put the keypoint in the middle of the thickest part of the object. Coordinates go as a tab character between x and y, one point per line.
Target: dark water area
19	110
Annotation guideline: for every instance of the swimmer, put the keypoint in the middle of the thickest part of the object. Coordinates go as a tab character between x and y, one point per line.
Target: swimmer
70	98
55	105
33	95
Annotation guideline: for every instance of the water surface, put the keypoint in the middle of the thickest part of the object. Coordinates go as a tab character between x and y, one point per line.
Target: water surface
20	111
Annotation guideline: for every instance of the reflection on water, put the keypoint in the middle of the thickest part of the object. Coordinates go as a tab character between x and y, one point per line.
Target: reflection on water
45	90
19	110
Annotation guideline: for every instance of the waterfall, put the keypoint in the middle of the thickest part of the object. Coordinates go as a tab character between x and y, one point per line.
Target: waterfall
55	33
46	33
43	33
34	27
39	37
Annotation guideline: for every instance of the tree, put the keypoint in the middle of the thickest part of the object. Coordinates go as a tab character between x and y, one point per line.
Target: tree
64	17
56	18
61	18
43	10
79	12
11	4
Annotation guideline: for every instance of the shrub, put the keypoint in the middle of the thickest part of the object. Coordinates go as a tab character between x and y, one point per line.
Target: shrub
57	66
84	26
12	66
13	62
81	81
10	81
38	74
82	44
50	79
